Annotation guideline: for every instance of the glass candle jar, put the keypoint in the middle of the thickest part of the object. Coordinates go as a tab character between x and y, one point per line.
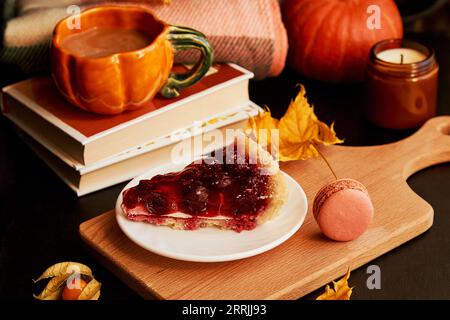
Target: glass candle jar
401	84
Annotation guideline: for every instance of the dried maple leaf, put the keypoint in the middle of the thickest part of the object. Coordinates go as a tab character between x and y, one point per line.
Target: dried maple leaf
300	131
262	125
340	291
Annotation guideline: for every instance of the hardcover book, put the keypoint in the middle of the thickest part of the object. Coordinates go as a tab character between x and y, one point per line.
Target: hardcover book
36	106
84	179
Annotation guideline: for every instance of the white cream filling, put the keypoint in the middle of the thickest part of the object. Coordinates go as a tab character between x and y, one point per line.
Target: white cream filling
187	216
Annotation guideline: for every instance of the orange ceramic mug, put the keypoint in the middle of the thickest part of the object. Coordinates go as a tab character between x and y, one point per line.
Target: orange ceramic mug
118	58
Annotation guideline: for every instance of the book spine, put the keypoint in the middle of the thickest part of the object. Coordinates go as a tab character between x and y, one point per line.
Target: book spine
47	134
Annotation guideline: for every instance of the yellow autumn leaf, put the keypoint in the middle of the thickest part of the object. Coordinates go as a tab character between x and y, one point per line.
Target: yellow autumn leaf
327	136
261	127
340	291
64	268
300	131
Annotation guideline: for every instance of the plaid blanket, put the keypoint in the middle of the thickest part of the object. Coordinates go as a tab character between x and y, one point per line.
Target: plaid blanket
249	33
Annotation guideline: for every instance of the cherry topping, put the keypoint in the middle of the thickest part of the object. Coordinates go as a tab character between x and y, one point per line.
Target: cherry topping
195	198
156	203
210	188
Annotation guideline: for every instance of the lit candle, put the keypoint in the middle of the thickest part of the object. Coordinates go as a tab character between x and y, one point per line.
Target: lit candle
401	55
401	84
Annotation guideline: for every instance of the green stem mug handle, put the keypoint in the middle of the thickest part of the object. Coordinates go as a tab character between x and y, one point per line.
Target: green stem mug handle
183	38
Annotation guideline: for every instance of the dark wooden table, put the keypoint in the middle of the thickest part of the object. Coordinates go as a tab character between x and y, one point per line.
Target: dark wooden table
40	215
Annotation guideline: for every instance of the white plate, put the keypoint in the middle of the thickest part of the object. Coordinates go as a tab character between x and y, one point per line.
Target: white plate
212	244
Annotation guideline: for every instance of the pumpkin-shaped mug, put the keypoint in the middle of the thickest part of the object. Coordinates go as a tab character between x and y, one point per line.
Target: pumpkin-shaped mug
117	58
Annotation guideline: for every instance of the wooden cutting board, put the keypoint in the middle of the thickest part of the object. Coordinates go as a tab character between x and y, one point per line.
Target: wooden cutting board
308	260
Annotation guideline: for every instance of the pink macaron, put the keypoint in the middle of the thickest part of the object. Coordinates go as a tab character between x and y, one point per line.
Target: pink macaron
343	209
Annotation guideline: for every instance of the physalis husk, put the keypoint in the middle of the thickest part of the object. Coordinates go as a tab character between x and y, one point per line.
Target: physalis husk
61	275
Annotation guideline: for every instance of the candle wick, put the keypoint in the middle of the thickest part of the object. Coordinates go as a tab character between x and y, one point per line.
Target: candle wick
401	58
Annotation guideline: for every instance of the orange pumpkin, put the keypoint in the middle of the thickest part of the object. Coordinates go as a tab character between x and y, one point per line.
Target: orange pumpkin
330	40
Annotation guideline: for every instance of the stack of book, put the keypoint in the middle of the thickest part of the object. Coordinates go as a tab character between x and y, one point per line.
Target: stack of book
91	152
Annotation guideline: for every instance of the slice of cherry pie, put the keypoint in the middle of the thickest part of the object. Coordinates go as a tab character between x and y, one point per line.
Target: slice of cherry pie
226	190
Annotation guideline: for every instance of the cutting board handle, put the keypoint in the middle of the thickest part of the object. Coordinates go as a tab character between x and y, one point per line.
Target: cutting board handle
428	146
